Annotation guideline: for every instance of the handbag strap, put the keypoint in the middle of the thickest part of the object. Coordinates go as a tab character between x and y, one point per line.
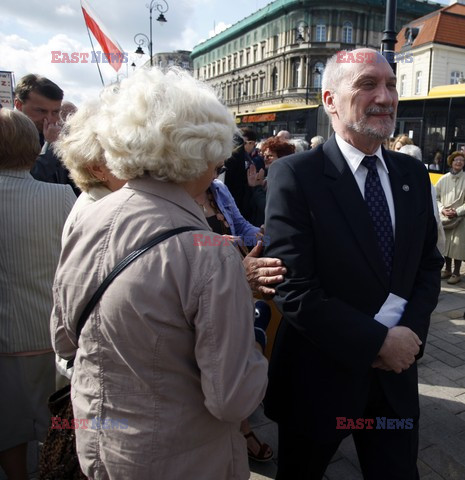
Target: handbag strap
117	270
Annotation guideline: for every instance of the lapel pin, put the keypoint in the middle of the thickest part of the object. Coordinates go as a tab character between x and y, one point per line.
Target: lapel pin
405	188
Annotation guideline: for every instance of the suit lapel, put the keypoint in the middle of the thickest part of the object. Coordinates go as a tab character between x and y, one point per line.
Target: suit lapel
353	207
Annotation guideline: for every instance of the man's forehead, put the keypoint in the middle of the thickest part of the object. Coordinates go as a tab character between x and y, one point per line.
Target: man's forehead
375	71
42	100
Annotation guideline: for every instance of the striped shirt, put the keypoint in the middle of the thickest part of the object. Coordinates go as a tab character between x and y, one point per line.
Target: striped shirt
32	215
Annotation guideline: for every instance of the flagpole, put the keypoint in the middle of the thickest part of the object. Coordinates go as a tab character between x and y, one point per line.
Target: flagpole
95	56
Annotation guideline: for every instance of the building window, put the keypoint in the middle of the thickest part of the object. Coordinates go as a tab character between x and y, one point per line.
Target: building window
320	32
275	43
247	56
403	84
418	83
262	84
318	74
254	86
295	72
262	48
347	32
255	50
274	79
240	59
229	64
455	77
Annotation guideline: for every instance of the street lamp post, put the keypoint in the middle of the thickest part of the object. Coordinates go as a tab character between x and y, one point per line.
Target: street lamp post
140	38
389	39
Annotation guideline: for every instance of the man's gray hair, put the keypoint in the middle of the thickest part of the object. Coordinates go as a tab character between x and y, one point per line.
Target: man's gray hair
413	151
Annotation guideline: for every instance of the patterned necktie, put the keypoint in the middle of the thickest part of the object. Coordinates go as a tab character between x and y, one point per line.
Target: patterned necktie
378	208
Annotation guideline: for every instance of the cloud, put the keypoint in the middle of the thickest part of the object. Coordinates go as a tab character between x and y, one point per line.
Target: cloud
65	10
220	27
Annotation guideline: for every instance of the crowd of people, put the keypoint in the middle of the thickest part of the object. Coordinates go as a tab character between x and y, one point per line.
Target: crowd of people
346	236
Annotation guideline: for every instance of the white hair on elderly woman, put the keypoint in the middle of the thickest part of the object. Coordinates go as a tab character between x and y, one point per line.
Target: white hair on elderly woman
168	125
78	147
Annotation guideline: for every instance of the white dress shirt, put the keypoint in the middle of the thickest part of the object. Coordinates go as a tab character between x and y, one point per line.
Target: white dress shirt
394	306
354	159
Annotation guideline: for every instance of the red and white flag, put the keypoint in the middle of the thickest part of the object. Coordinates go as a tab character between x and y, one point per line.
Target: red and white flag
110	47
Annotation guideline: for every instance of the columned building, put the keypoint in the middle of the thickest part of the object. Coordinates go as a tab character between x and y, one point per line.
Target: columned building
278	54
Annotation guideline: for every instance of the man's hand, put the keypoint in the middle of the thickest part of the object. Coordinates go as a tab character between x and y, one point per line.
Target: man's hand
51	131
262	272
398	351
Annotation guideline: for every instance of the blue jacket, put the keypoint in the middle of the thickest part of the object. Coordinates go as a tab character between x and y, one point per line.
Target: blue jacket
239	225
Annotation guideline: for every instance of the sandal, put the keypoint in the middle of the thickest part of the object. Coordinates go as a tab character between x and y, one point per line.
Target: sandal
265	454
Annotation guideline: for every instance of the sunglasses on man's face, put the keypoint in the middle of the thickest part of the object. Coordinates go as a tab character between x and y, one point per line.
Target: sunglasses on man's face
220	170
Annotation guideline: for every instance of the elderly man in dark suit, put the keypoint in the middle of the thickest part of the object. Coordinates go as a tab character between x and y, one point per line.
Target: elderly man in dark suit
355	228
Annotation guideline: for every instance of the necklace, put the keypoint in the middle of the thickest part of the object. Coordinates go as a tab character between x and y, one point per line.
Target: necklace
203	205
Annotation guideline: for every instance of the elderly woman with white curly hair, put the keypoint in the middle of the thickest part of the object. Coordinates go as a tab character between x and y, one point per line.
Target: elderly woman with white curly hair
166	365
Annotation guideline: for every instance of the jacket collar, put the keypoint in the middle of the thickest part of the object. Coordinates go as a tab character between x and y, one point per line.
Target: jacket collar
169	191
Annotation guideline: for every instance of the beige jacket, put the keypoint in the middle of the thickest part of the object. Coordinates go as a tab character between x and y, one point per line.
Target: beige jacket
168	355
450	192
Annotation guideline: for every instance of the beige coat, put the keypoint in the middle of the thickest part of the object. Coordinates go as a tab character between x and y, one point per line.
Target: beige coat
450	192
168	354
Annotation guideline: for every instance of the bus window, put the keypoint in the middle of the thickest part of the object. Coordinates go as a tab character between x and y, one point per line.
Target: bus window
457	124
434	142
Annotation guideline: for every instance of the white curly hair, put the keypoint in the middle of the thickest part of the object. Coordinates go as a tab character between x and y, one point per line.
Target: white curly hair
168	125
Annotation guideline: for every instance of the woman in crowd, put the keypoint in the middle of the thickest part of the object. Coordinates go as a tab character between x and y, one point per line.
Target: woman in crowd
223	216
83	156
450	191
32	215
169	350
400	141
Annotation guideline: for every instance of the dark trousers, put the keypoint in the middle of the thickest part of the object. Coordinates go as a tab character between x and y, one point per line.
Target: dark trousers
384	454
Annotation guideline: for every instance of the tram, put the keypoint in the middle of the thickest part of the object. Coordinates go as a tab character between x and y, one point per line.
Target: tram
436	123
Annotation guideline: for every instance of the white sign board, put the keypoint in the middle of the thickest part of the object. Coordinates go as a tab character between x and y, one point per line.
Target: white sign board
6	90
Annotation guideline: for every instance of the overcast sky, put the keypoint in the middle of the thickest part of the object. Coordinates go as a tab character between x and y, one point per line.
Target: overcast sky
31	29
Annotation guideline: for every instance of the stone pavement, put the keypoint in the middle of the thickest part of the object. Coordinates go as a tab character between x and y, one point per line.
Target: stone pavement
442	400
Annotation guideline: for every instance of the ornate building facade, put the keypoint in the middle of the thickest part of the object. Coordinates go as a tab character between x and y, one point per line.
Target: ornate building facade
277	54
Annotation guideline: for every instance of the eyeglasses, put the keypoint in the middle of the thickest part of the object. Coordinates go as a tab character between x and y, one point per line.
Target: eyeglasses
269	155
220	170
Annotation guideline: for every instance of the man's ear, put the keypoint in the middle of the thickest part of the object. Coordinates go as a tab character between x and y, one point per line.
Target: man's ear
328	100
18	104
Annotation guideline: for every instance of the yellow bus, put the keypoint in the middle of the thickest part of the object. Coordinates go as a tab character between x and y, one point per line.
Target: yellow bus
436	123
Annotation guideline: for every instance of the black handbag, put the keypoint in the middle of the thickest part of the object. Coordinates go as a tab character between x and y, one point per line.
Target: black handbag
58	457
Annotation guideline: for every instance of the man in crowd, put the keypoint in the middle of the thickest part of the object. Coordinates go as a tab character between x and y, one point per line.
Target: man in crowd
40	99
236	168
354	226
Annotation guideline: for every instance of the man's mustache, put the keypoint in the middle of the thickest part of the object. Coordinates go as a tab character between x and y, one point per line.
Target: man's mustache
377	110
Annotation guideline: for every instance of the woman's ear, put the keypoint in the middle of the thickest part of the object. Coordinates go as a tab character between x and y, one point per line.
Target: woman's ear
97	170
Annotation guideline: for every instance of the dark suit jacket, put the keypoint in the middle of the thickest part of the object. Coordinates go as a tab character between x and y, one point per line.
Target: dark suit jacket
235	177
48	168
319	225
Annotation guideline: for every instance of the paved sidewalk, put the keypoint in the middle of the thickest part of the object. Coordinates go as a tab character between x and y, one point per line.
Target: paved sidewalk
442	399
